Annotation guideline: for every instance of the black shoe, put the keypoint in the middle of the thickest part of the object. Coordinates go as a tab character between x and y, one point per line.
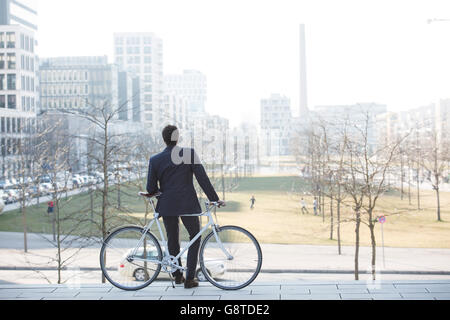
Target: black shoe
179	279
190	284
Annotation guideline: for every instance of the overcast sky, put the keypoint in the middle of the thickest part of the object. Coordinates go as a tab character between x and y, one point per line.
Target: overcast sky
357	51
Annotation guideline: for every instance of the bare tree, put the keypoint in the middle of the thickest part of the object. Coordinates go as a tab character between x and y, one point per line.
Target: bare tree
368	168
434	160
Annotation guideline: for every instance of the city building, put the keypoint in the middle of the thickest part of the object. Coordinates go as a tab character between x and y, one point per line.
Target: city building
276	120
175	111
19	93
354	117
19	12
141	53
191	84
77	83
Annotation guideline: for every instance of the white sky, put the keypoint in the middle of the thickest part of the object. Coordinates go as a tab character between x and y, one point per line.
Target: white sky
357	51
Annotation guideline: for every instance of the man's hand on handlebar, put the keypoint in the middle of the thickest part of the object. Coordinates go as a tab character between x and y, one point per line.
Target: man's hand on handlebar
221	203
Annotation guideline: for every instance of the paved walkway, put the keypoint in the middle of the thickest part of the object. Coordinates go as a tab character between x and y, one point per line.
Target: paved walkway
297	290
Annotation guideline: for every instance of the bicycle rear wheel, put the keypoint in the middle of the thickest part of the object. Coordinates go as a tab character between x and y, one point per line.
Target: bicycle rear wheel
232	260
118	263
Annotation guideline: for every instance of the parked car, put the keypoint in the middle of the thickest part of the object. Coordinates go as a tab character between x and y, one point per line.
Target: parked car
46	188
127	269
6	197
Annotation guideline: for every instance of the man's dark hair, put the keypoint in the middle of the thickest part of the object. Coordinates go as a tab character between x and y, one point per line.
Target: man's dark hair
170	135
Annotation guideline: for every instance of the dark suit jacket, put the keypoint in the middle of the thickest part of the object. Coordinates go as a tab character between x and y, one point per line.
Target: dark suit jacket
174	168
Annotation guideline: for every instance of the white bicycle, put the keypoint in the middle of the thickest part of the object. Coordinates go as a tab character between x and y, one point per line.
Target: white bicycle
131	257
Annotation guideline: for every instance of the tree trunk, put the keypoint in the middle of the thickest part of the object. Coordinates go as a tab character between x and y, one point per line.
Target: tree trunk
409	183
24	220
58	235
331	219
418	188
374	248
402	177
438	204
105	189
358	222
339	225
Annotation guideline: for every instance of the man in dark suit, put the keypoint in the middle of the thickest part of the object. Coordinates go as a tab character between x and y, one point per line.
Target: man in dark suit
174	168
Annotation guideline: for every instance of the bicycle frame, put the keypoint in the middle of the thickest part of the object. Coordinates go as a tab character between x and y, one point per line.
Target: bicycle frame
156	216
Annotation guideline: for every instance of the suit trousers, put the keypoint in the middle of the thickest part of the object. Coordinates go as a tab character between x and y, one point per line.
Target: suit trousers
192	225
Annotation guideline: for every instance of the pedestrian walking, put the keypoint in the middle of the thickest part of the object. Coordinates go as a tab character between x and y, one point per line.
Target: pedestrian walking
303	204
315	206
252	200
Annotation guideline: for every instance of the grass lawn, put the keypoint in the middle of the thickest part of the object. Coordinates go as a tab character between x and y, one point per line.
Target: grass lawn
276	217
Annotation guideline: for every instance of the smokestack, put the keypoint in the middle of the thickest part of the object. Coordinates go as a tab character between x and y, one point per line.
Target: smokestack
303	96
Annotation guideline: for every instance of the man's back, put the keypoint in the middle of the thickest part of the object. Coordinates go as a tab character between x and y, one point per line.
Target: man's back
174	168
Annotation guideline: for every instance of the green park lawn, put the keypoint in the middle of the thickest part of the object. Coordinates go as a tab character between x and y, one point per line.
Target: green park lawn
276	217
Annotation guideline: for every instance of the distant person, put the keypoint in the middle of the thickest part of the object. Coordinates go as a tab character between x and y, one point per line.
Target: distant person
252	200
315	206
303	204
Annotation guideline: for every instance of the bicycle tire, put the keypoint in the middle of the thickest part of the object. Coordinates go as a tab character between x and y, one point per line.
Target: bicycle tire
257	255
110	237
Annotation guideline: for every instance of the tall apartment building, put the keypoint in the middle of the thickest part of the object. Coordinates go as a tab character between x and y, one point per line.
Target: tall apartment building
142	54
276	119
191	84
19	95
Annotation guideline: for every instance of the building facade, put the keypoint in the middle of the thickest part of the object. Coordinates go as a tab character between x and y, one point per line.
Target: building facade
78	83
142	55
192	85
276	119
19	96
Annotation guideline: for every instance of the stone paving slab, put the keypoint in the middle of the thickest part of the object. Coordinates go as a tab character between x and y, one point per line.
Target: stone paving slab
300	290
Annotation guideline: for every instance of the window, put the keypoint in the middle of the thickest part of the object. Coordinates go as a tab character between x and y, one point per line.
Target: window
11	58
147	69
10	39
2	82
148	106
130	50
119	50
2	102
22	61
147	40
8	125
137	60
11	81
2	40
148	98
147	50
136	50
148	116
11	101
22	41
3	125
119	41
147	59
27	43
2	61
13	125
31	44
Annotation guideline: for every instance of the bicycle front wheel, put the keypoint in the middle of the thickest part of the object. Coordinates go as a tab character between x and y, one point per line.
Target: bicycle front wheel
130	260
230	258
